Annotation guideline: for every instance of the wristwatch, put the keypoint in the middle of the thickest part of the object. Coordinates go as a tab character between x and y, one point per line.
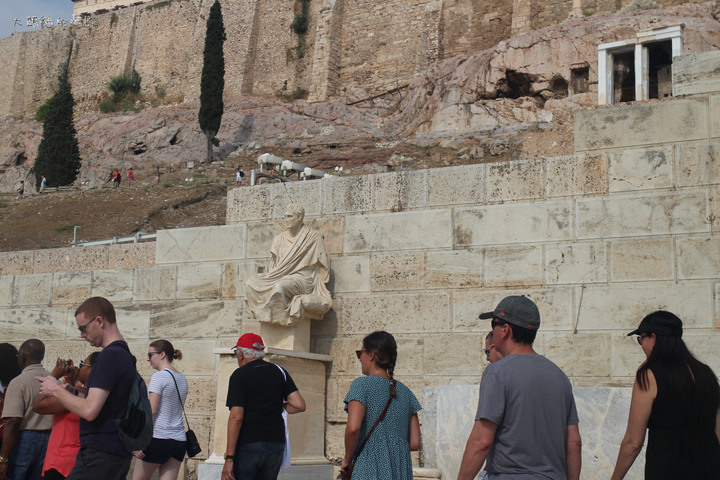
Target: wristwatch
3	459
227	457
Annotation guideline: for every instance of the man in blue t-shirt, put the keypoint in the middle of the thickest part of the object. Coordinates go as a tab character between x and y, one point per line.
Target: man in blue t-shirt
102	454
256	431
526	423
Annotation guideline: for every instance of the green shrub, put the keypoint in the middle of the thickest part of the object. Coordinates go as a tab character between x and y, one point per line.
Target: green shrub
66	228
124	83
42	111
4	203
107	106
167	184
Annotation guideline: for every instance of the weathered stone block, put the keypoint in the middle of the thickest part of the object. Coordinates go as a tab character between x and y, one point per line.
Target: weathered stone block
19	324
396	313
697	164
555	305
133	322
71	259
198	281
398	191
409	350
641	124
245	204
131	255
563	348
704	347
456	185
307	194
622	307
513	266
398	231
198	400
347	195
576	263
115	285
332	231
153	284
653	214
581	174
397	271
641	259
520	223
449	355
454	269
202	244
71	288
715	116
32	290
200	319
696	73
641	169
715	210
17	263
350	274
6	290
698	258
625	354
518	180
75	350
260	238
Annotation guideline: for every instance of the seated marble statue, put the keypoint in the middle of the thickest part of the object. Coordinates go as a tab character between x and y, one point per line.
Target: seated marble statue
294	286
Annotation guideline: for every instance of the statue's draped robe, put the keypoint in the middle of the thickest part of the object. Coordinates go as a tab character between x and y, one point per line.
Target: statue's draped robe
294	285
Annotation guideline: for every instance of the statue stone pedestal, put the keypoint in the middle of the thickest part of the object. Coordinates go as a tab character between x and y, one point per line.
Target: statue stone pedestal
307	429
295	338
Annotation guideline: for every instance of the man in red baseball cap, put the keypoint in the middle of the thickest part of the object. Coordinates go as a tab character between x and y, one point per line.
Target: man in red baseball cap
257	394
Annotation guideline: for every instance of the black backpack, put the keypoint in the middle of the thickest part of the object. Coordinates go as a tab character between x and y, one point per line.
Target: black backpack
135	426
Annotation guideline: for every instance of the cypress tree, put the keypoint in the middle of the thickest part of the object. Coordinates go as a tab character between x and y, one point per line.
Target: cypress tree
212	83
58	155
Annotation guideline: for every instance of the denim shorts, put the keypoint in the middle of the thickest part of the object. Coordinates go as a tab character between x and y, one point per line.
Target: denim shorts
161	450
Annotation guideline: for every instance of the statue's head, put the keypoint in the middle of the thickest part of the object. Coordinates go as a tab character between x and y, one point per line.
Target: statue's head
294	215
294	209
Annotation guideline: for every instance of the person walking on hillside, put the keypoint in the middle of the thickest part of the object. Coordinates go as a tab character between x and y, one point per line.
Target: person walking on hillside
131	176
157	175
168	390
43	184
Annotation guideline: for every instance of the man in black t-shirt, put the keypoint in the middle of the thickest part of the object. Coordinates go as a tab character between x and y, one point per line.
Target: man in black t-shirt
256	430
102	454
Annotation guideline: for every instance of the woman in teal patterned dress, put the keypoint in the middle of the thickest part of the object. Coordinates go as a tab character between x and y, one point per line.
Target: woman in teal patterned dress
387	453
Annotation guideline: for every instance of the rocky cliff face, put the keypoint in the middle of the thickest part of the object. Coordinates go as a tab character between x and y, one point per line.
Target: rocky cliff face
514	99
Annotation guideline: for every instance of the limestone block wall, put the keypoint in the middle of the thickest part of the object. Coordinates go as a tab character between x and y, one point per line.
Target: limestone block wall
625	226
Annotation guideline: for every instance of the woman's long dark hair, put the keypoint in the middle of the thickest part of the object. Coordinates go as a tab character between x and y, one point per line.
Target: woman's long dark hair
385	348
9	367
675	358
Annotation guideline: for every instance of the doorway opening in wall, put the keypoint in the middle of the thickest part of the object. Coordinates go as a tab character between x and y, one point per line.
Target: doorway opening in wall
623	66
659	69
579	78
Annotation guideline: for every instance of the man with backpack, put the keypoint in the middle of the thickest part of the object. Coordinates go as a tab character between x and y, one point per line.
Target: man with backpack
103	454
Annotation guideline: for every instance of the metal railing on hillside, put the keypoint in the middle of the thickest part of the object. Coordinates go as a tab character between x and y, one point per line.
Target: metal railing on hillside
134	239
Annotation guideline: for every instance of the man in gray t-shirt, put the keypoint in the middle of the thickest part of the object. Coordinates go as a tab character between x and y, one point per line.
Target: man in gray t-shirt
526	424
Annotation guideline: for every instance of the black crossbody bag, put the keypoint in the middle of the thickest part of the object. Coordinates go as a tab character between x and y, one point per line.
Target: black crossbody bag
192	445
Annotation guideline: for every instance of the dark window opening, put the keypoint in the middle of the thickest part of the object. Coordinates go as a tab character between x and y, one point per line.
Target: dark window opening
659	69
624	77
559	87
580	79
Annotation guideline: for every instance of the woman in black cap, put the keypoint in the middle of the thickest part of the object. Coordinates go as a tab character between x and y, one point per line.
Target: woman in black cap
677	398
